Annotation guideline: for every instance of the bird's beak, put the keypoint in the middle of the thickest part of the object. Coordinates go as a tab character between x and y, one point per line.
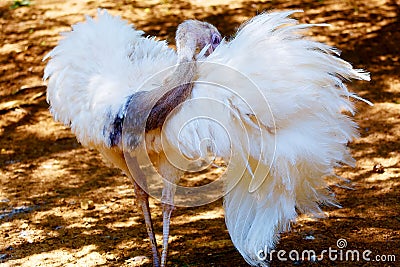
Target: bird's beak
205	52
209	50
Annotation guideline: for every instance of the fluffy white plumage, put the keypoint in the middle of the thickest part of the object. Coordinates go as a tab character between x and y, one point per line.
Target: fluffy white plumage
279	96
95	68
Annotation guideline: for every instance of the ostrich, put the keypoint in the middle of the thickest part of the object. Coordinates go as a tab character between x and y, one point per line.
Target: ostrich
270	102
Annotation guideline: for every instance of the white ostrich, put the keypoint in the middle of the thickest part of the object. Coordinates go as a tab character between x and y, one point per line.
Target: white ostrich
279	97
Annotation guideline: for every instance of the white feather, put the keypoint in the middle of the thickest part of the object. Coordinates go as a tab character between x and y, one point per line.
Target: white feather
294	87
271	101
95	68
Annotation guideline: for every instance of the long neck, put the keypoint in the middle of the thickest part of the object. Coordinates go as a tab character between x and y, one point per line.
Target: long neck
186	47
146	110
175	90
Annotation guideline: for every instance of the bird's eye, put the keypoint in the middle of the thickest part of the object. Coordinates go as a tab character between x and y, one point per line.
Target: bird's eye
215	40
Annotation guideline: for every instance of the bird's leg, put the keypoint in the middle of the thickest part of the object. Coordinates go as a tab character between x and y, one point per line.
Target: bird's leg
143	200
171	176
168	207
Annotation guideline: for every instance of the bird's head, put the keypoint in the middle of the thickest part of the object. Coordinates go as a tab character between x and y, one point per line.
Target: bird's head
193	35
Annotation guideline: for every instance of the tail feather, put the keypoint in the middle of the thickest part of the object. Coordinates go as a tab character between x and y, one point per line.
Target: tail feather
288	92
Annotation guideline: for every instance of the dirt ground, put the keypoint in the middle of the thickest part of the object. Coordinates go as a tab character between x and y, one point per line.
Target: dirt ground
46	176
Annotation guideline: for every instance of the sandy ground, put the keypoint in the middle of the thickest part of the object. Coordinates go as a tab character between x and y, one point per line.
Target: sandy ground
46	176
